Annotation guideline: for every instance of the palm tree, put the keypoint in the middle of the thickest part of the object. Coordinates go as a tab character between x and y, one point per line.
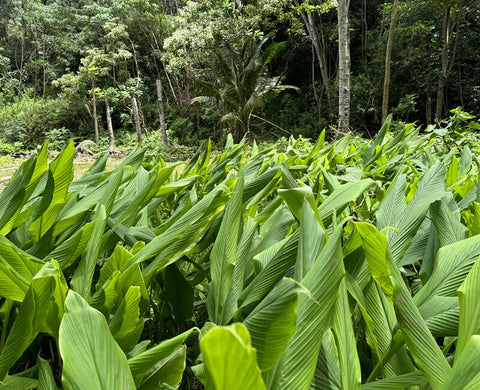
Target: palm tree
241	82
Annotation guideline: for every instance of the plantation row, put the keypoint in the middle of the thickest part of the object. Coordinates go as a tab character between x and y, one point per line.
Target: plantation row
335	266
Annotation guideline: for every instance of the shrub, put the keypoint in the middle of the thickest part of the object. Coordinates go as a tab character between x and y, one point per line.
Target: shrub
58	138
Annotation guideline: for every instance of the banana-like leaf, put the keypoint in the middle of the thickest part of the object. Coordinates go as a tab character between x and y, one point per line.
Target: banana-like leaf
239	273
349	362
394	203
89	352
449	228
167	372
67	252
294	198
274	270
31	317
399	382
384	323
327	371
298	362
466	368
18	382
224	254
311	241
83	276
468	294
421	343
340	198
431	188
126	324
272	322
46	381
145	364
230	360
180	237
62	173
453	262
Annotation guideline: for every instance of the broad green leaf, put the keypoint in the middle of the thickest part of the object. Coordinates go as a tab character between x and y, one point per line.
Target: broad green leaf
230	360
340	198
294	198
399	382
311	241
67	252
421	343
126	324
466	368
30	319
468	294
83	276
298	362
142	365
384	324
46	381
180	237
167	372
449	228
274	270
453	172
224	254
431	188
272	322
394	203
241	266
327	371
62	173
349	362
12	197
89	352
17	382
376	255
452	263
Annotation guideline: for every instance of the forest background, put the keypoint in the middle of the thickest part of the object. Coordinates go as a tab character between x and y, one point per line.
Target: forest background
180	72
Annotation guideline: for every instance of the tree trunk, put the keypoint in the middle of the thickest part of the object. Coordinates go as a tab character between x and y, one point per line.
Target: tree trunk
442	80
136	119
388	60
319	50
111	137
343	68
161	113
428	106
95	119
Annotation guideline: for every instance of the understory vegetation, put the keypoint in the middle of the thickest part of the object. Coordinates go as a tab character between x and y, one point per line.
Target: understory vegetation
334	265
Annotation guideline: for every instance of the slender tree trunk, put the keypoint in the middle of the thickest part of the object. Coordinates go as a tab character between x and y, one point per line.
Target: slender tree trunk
343	68
364	31
44	84
428	106
136	119
95	119
161	113
388	60
442	80
319	50
111	137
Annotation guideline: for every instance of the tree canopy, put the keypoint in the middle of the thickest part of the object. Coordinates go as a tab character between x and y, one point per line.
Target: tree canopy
63	62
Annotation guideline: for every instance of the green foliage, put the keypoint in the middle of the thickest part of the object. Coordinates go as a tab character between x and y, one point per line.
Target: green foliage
347	264
13	131
58	138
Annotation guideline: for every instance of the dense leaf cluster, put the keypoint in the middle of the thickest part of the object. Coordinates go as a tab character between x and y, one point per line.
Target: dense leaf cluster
334	265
